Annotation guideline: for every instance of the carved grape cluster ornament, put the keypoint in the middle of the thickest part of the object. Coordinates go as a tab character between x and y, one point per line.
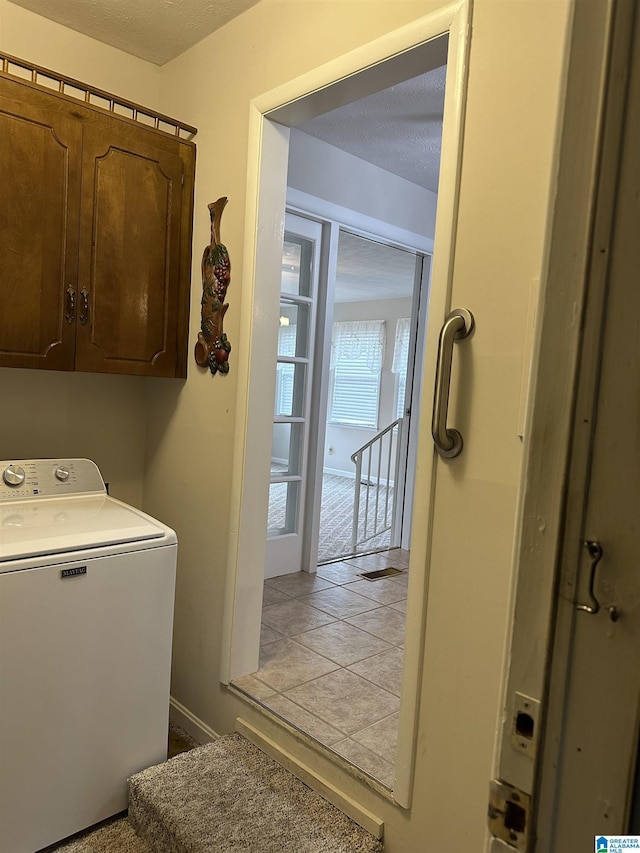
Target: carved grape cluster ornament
212	347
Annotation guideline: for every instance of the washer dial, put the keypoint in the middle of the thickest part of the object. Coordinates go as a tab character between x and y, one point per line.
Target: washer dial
13	475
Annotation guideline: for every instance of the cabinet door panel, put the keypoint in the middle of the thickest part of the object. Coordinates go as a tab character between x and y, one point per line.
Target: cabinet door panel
38	228
130	253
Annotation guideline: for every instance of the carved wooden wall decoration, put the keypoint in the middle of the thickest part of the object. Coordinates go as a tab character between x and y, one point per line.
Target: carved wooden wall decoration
212	348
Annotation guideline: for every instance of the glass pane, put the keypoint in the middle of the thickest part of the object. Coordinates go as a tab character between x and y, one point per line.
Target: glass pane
293	335
285	449
283	508
297	254
290	382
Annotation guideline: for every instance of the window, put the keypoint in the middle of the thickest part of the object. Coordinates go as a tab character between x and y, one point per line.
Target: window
357	353
285	372
400	358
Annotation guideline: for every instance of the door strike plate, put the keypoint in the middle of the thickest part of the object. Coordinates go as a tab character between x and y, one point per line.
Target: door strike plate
509	811
524	730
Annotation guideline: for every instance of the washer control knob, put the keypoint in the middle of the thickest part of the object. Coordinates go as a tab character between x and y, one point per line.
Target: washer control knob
13	475
62	473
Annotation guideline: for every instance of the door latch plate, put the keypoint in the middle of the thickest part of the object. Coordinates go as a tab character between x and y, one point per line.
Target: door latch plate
509	811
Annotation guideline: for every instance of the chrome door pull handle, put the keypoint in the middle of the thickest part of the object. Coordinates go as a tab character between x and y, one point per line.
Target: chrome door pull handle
595	552
458	325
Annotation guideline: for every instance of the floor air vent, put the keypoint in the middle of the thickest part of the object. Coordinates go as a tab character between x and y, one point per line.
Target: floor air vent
380	573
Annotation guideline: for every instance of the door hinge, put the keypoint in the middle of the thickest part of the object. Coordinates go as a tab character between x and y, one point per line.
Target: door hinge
509	813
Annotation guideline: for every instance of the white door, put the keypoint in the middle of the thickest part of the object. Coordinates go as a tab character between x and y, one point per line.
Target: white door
293	395
412	397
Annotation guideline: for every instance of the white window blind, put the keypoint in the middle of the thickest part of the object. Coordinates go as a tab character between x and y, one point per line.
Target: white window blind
400	358
357	353
285	372
287	340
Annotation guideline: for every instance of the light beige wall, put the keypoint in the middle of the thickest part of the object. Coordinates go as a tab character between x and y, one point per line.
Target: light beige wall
187	429
89	415
516	67
55	413
36	39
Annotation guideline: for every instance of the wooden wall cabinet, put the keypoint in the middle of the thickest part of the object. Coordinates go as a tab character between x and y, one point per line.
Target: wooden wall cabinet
95	238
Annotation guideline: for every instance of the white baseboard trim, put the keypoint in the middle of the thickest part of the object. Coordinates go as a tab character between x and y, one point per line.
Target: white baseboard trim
183	717
279	569
351	475
340	800
339	472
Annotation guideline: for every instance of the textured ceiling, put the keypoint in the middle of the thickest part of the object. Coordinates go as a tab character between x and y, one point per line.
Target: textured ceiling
366	270
398	129
155	30
370	270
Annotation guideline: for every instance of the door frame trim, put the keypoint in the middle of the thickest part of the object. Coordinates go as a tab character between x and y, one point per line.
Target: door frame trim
264	229
558	428
616	30
284	549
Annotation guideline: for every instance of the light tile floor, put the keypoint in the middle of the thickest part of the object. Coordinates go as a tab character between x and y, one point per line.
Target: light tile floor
331	655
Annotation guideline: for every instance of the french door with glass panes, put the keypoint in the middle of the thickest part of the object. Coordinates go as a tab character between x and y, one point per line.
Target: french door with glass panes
291	416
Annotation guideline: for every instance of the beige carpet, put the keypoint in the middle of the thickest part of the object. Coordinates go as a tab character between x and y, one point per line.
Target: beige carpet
336	516
225	797
117	834
229	797
114	836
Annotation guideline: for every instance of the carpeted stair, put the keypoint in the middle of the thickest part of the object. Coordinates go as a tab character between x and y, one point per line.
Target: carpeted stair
228	797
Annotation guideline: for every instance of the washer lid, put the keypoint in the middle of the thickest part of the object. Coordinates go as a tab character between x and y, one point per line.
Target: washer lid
51	526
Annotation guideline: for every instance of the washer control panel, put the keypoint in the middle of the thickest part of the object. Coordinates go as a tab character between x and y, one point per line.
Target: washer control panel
23	479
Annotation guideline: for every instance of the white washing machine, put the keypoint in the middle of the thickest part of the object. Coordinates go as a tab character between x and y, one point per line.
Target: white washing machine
86	613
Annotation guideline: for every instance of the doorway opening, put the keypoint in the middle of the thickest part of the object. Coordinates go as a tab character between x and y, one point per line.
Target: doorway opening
352	308
376	303
342	442
436	43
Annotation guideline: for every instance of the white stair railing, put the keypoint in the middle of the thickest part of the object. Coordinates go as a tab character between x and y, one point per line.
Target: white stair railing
377	479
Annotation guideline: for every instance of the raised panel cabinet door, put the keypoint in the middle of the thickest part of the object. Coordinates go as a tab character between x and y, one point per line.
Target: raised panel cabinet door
132	285
40	147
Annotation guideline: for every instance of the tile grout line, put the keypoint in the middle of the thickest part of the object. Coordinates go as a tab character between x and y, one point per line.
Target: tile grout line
330	585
